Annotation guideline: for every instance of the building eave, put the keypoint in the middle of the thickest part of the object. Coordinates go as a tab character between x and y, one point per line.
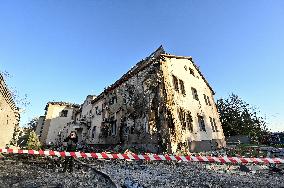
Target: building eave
195	66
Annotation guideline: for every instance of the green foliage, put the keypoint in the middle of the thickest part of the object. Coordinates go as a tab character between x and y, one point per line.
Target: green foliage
33	123
239	118
33	141
15	137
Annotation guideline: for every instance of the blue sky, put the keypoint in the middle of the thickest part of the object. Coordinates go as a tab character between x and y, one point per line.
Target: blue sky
64	50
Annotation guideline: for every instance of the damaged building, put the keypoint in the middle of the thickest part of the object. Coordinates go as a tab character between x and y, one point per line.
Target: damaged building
9	114
163	104
57	116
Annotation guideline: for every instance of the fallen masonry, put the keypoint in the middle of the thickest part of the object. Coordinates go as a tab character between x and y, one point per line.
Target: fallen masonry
33	172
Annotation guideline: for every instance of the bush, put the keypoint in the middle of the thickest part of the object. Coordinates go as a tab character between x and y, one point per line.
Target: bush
33	141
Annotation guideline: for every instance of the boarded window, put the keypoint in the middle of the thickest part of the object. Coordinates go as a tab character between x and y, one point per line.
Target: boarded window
175	83
182	87
194	93
201	123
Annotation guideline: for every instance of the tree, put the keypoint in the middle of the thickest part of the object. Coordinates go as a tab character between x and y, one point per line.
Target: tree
16	135
239	118
33	123
33	141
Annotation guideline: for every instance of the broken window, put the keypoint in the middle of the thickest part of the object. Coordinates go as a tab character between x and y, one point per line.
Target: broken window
181	115
113	100
64	113
201	123
194	93
170	122
175	83
189	121
182	87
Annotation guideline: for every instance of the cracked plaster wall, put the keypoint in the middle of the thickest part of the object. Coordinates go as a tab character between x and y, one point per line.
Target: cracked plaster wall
183	136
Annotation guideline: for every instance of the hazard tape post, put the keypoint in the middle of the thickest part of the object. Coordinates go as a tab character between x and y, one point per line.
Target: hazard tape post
148	157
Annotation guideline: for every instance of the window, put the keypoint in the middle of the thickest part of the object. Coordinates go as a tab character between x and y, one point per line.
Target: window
94	131
175	82
185	119
201	123
132	129
194	93
191	71
213	124
207	100
64	113
182	87
189	121
181	116
113	127
113	100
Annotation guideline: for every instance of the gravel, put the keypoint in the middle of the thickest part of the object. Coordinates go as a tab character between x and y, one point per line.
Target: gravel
138	174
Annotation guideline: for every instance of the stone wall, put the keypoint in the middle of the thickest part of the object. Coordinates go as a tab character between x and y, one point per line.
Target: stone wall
9	115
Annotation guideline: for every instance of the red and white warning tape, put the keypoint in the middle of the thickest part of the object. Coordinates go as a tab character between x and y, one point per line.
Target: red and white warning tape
148	157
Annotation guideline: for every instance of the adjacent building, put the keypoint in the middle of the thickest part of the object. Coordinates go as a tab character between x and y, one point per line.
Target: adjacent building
163	103
9	114
39	126
57	115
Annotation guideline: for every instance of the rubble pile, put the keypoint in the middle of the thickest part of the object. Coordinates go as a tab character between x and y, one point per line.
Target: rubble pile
134	174
18	174
182	174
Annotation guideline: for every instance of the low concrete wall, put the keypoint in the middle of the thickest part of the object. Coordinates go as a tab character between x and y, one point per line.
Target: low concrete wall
207	145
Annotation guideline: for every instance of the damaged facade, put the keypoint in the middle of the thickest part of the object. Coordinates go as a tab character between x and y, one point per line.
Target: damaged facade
9	114
162	104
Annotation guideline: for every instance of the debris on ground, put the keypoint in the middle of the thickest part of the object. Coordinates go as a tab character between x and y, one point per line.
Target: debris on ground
46	172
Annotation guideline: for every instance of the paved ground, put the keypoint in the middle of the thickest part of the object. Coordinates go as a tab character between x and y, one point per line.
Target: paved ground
137	173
